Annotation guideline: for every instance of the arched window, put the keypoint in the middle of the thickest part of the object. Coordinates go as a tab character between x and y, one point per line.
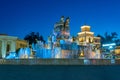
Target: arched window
8	48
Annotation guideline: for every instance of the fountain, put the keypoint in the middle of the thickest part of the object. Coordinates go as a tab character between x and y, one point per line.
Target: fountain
46	53
27	52
24	53
12	55
41	51
90	54
21	53
57	53
98	55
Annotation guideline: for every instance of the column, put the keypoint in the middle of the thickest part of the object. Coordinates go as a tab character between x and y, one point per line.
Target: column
4	45
0	49
13	46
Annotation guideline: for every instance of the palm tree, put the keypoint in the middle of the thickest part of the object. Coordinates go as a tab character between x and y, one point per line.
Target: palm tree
33	38
109	38
102	39
117	42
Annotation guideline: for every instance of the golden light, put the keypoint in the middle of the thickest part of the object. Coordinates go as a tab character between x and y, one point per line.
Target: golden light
82	54
85	26
86	33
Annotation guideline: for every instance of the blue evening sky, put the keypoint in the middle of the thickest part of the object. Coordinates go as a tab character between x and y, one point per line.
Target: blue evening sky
20	17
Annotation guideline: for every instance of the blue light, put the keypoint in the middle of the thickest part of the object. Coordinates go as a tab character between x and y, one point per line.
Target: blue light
110	47
112	44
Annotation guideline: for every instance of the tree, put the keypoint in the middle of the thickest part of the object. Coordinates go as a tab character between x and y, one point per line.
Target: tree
117	41
33	38
102	39
109	38
114	34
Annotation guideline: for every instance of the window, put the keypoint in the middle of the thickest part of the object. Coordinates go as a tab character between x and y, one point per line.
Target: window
8	47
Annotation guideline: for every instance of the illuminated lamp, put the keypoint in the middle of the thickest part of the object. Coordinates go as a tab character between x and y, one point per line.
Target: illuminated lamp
81	54
110	47
112	44
85	27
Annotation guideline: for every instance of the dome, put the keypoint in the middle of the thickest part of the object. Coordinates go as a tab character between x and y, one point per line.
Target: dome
85	28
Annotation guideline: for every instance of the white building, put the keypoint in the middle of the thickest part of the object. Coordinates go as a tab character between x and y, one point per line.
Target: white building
10	44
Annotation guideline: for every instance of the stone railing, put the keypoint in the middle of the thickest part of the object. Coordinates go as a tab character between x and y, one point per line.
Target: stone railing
58	62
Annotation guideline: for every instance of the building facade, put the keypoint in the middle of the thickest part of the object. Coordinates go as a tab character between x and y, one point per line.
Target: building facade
10	44
86	37
88	41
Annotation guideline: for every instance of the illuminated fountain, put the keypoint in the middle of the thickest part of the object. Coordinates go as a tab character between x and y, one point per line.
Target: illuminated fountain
24	53
46	53
98	54
56	53
12	55
43	53
92	54
21	53
40	50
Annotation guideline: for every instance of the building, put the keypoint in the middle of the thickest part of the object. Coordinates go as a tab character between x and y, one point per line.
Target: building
86	36
117	52
86	39
10	44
